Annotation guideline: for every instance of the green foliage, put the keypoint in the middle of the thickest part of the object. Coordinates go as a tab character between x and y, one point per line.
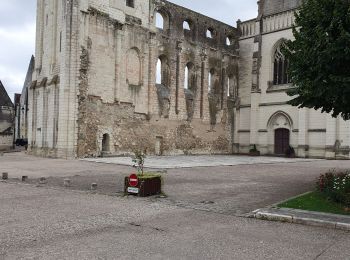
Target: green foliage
320	57
336	186
148	175
315	201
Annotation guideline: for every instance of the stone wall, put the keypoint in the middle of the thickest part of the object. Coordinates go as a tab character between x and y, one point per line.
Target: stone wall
95	88
121	102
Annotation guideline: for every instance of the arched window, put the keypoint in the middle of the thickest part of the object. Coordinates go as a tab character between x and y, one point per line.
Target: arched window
163	71
189	81
210	33
280	67
162	19
228	41
186	25
159	21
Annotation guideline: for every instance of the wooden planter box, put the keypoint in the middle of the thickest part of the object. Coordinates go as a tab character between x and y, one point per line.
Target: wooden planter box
146	187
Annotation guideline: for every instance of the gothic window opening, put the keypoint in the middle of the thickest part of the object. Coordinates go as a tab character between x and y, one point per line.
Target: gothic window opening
186	26
159	21
163	71
130	3
186	78
159	72
280	67
189	81
210	33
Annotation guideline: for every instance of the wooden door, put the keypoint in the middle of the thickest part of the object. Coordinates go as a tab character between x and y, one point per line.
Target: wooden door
281	141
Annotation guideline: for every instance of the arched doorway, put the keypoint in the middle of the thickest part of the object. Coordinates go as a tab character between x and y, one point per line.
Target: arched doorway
282	139
105	143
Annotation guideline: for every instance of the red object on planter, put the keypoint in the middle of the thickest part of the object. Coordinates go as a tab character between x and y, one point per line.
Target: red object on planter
133	180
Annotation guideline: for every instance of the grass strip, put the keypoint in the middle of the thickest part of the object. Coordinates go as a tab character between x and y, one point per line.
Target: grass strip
315	201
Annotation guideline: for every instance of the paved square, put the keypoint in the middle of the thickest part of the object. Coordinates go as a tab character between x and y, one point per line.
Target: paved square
53	222
182	161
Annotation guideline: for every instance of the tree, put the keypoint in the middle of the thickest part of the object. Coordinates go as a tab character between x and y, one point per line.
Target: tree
320	57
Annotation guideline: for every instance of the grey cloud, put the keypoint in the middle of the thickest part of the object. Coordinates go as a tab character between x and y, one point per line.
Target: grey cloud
17	19
15	13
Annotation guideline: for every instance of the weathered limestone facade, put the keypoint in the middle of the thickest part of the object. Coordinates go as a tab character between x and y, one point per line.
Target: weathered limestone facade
96	89
264	118
7	115
108	81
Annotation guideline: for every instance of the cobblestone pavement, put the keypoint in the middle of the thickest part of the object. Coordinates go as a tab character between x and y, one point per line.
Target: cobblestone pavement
182	161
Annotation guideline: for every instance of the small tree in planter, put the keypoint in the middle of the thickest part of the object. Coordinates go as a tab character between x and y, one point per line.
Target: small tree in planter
148	183
139	160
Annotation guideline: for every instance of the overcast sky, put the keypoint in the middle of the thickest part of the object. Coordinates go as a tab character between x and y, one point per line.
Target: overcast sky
17	31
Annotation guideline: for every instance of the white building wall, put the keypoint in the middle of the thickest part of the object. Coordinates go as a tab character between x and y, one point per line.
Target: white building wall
312	133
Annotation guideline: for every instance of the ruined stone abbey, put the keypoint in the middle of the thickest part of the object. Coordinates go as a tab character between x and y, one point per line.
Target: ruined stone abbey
115	76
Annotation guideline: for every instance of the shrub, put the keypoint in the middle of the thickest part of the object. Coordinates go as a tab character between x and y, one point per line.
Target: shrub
336	186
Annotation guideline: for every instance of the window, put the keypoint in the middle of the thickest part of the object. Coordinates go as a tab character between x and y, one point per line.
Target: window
186	78
159	21
190	78
159	72
186	26
211	33
130	3
163	71
280	67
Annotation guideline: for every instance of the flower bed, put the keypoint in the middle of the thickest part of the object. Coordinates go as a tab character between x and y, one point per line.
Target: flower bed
336	186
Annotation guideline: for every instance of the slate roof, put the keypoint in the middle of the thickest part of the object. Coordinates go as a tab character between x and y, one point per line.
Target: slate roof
4	97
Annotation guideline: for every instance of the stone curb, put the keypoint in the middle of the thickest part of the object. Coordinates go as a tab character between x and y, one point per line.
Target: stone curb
290	218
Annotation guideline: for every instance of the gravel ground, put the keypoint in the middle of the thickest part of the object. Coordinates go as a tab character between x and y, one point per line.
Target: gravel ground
46	223
200	218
